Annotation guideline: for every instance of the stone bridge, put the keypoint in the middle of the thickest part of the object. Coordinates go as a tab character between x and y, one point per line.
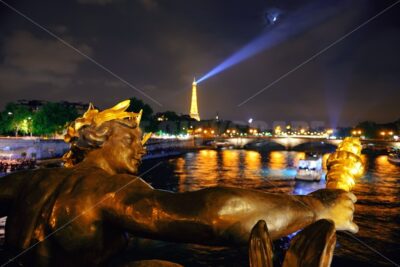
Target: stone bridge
293	142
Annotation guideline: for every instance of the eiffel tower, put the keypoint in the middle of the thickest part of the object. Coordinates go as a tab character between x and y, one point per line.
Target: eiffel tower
194	111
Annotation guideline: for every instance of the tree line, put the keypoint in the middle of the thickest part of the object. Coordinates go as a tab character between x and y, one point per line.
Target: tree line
48	120
52	118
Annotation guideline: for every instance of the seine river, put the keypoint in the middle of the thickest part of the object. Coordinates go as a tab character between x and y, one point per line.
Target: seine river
377	209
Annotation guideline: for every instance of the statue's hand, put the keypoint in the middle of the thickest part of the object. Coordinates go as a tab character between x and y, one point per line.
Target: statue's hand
337	205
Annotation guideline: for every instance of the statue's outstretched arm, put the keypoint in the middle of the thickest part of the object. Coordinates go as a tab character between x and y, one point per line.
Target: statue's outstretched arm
219	215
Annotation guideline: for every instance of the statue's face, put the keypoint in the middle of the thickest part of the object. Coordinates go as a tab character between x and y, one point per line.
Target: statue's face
123	150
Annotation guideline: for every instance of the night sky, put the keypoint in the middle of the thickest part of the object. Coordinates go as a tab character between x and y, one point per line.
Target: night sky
159	45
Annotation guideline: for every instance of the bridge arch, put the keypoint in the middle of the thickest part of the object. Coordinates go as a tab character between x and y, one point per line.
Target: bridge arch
314	144
284	142
265	144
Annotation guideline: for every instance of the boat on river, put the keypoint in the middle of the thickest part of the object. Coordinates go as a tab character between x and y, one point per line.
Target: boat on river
394	156
310	168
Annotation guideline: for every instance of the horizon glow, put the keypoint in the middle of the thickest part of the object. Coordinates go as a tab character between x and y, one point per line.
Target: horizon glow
298	22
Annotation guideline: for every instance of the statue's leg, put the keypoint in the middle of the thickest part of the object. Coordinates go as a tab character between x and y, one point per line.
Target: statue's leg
313	246
260	246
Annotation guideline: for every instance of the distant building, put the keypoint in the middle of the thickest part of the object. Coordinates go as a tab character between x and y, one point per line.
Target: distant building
194	111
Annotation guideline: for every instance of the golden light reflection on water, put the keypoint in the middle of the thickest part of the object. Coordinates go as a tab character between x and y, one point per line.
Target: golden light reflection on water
211	168
252	161
230	164
181	172
383	166
277	160
206	173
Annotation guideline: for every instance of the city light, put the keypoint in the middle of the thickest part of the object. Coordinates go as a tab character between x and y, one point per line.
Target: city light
356	132
278	130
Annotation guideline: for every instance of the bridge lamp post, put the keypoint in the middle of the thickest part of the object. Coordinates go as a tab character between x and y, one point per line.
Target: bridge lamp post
278	130
356	132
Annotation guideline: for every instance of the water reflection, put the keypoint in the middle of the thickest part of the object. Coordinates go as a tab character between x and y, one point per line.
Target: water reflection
377	210
230	164
277	160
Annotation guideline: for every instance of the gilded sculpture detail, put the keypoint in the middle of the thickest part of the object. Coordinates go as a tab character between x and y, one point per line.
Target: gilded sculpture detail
79	216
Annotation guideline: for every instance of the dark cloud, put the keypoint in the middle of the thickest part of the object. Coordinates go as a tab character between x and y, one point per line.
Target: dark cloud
30	63
27	53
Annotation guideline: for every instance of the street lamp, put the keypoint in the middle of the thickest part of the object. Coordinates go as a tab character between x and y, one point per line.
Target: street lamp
356	132
278	130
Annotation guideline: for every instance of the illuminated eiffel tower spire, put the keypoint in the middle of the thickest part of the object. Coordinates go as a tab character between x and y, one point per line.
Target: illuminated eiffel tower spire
194	112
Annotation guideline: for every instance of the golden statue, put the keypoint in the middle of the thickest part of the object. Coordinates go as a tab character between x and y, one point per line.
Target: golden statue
314	245
345	165
79	215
